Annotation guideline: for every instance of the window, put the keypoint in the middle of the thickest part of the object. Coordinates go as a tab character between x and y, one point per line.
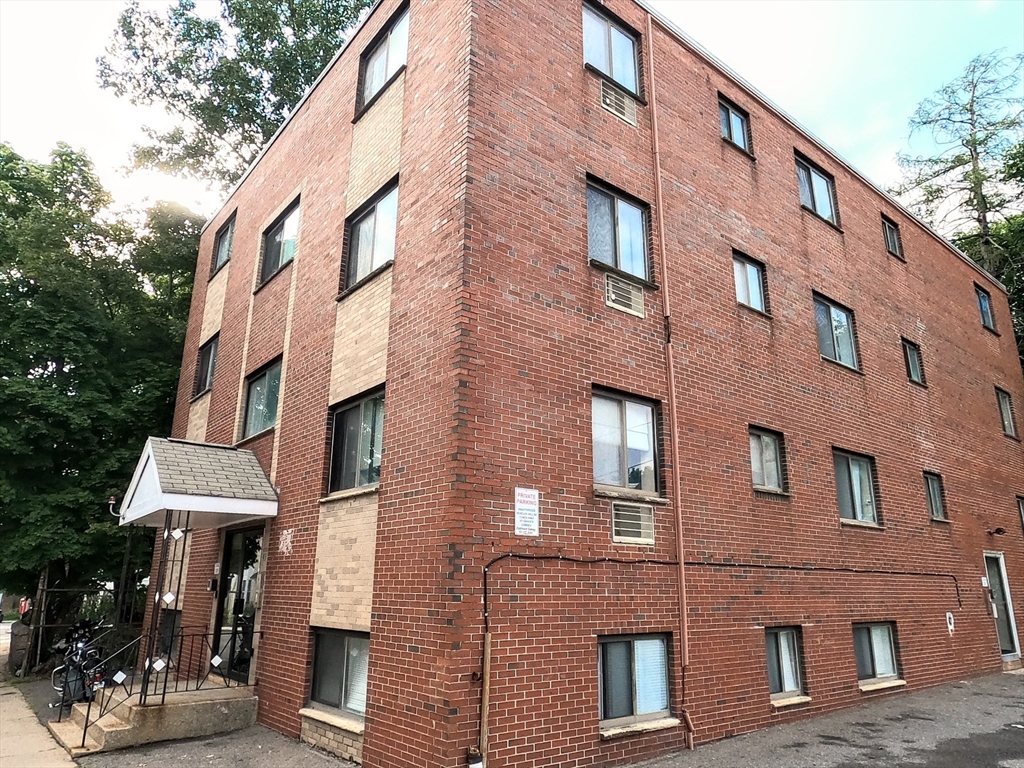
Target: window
893	241
855	486
1006	412
783	648
836	339
356	444
933	489
279	243
817	190
385	59
372	237
633	677
766	464
985	308
222	245
610	49
616	232
876	652
339	670
751	288
261	400
735	124
624	443
912	358
205	366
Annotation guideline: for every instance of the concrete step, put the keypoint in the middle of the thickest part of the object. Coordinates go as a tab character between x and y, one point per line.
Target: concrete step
69	736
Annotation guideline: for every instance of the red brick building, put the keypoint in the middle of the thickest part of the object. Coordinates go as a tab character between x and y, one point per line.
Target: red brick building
689	428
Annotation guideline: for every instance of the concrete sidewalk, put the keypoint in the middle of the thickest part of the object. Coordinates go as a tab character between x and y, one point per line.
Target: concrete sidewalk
24	743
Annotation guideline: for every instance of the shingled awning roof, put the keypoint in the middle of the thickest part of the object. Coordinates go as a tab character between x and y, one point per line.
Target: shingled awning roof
216	484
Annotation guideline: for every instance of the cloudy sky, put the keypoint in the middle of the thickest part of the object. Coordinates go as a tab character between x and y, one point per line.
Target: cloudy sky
851	72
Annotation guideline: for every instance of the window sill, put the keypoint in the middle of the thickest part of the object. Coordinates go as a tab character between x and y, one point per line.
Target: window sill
861	524
200	395
219	269
618	731
369	278
271	277
628	494
350	724
920	384
993	331
1011	437
746	153
880	685
348	493
792	701
849	368
755	310
774	493
897	256
257	436
624	275
362	110
943	520
818	216
612	81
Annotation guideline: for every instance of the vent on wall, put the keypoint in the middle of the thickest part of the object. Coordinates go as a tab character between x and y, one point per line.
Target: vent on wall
632	523
618	103
624	295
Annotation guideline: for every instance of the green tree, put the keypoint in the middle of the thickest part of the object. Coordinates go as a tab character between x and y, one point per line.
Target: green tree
228	82
974	120
91	329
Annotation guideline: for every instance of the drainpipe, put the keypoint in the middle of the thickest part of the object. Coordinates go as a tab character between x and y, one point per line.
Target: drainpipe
670	374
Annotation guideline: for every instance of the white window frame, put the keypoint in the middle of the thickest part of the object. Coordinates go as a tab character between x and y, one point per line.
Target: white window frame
1006	415
892	237
347	639
251	381
593	20
743	267
988	315
619	205
622	404
728	115
834	310
205	370
876	632
657	714
864	510
393	51
762	443
811	193
222	245
935	493
368	408
288	225
912	356
383	239
795	657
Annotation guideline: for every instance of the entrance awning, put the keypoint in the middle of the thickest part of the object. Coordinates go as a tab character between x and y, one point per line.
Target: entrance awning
217	485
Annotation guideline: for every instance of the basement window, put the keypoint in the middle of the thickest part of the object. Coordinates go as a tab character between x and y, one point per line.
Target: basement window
875	648
782	645
340	669
632	679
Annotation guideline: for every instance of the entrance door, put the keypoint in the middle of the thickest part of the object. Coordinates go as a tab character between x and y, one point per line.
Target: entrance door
238	596
1000	593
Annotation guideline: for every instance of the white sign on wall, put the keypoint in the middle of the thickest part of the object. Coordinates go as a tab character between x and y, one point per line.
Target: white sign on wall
527	512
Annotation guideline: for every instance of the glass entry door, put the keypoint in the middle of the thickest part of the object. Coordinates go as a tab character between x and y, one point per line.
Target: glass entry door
1000	594
238	597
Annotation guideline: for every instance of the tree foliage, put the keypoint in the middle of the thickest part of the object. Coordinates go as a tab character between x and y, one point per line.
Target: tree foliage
91	330
228	82
974	120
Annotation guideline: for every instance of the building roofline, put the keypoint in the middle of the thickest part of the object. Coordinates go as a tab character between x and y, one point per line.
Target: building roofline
669	26
301	102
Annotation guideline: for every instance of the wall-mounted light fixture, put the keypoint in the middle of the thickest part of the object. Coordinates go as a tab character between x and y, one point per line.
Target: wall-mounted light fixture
996	531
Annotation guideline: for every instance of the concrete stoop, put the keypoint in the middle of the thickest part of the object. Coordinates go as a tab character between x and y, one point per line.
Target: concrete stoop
182	716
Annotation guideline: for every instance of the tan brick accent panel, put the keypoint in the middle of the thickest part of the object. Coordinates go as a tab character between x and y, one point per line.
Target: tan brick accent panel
343	580
376	145
198	414
360	353
214	307
334	740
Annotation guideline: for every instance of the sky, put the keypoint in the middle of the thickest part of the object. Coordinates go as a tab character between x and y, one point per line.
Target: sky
850	71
